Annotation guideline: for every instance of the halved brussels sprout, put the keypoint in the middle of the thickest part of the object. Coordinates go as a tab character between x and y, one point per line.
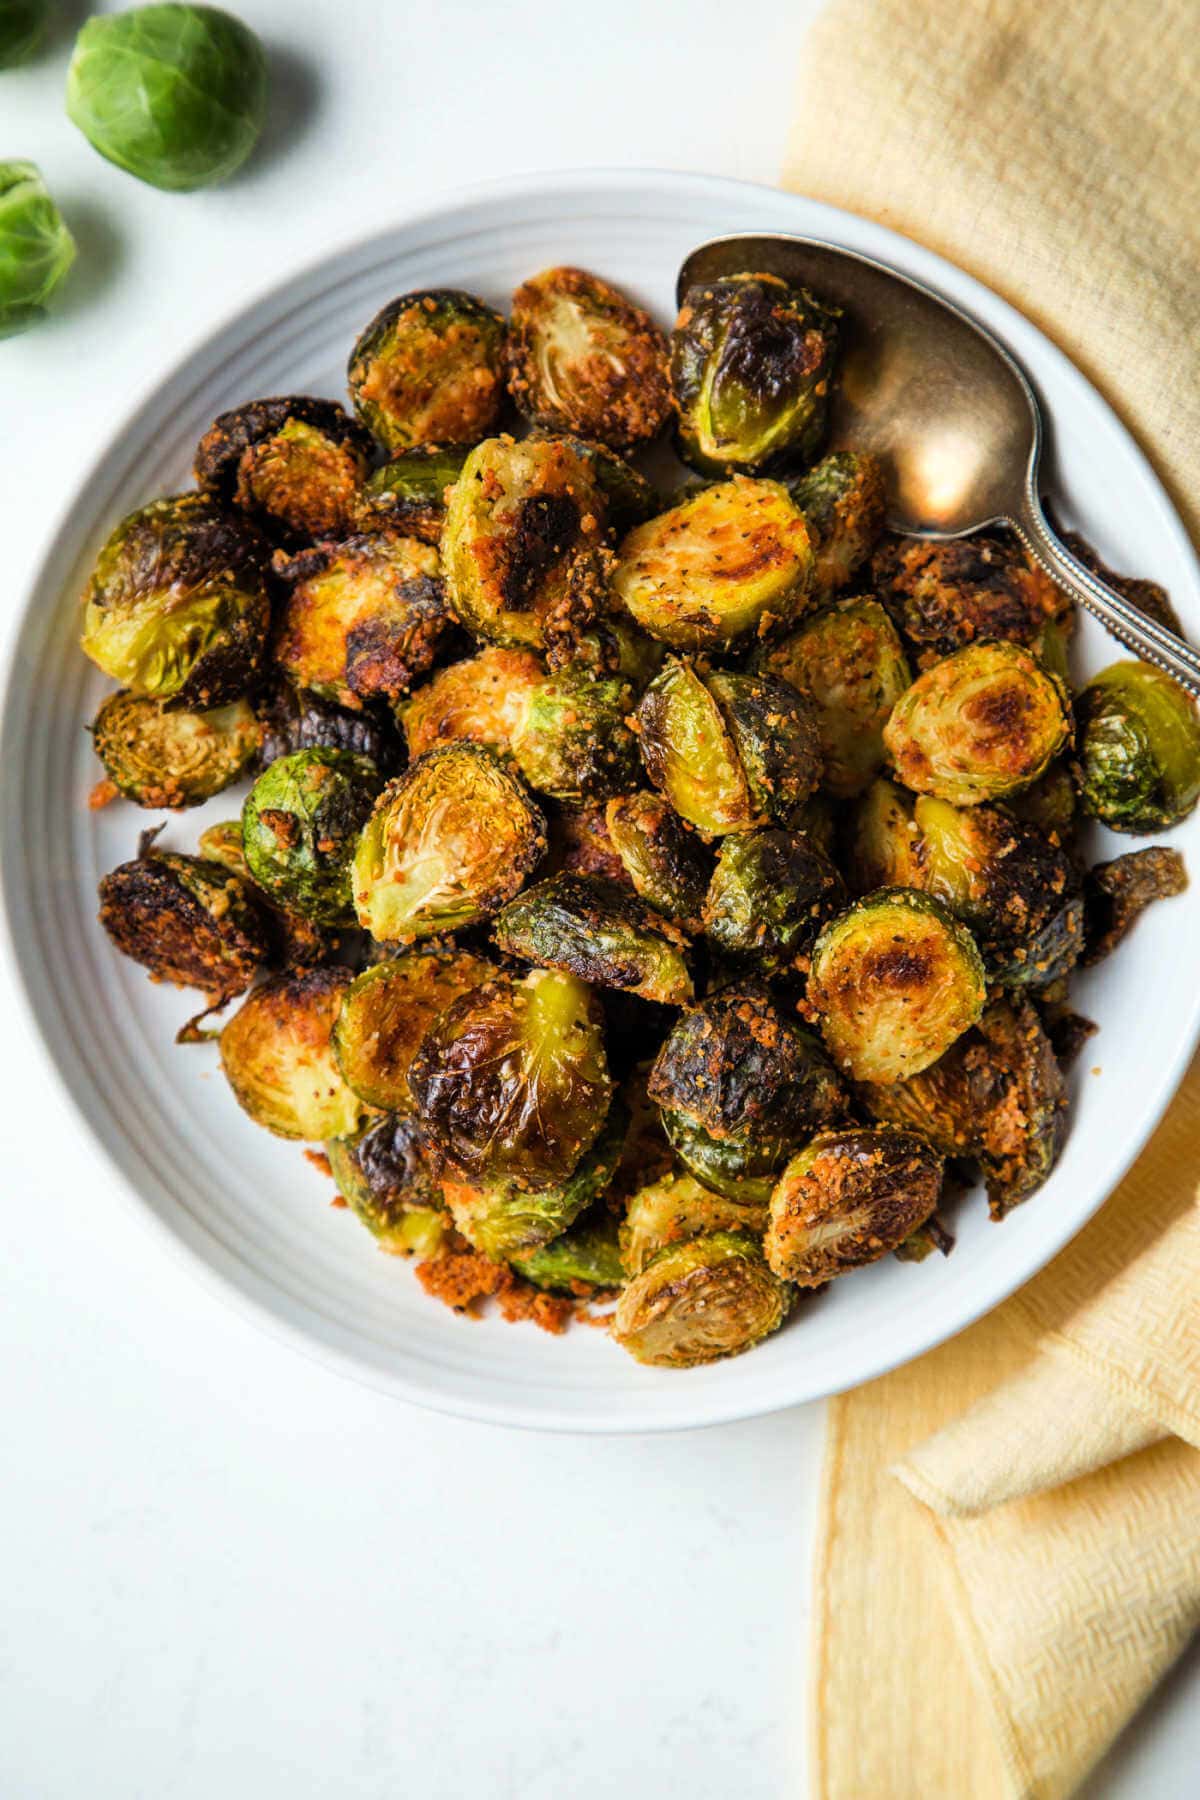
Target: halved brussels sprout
300	827
848	1198
599	932
383	1173
190	922
1117	893
482	699
292	720
1139	748
979	725
580	845
582	358
428	369
734	559
572	741
751	364
363	619
843	501
770	894
277	1055
386	1012
774	731
173	759
851	665
677	1207
881	846
449	842
895	980
523	546
699	1301
965	591
512	1082
176	607
1051	802
409	490
582	1259
664	859
998	1097
505	1218
294	463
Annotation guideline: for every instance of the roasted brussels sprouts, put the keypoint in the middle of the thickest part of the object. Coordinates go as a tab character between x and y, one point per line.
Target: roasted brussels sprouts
523	546
300	827
1050	803
580	1260
676	1207
409	491
386	1012
582	358
22	23
297	942
278	1058
1139	748
36	249
734	559
628	497
383	1173
699	1301
881	846
512	1082
572	741
173	759
843	501
175	94
1117	893
482	699
293	463
895	980
580	845
851	665
751	364
176	607
449	842
363	619
944	595
770	894
504	1218
848	1198
979	725
294	720
663	858
599	932
190	922
428	369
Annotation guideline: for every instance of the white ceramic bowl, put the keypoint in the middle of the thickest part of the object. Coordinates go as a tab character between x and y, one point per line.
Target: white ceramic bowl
246	1208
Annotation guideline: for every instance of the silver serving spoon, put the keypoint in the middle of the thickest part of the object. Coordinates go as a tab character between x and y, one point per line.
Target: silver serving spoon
951	416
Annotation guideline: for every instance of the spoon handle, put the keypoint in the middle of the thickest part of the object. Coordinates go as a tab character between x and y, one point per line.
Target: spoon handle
1126	622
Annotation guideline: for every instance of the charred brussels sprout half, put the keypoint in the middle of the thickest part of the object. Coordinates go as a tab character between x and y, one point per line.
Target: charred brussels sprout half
428	369
979	725
851	665
599	932
294	463
383	1173
512	1082
1139	748
582	358
482	700
176	607
881	845
895	980
843	501
190	922
278	1057
662	857
848	1198
966	591
449	842
770	894
1117	893
583	1258
699	1301
292	719
300	827
677	1207
505	1218
409	490
363	619
173	759
386	1012
733	559
751	364
36	249
572	741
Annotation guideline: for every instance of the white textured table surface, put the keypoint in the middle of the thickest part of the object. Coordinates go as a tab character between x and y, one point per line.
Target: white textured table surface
225	1571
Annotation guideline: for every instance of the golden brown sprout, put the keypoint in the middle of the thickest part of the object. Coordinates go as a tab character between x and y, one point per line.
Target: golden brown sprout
294	463
167	758
881	846
428	369
483	698
277	1054
386	1012
699	1301
843	501
664	859
675	1208
847	1199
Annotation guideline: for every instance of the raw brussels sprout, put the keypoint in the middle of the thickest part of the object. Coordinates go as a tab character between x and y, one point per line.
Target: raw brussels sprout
944	595
997	1098
662	857
177	95
386	1012
895	980
512	1082
584	1258
572	741
364	618
848	1198
409	491
770	894
300	827
881	846
294	463
173	759
176	607
699	1301
1139	748
1017	890
190	922
751	365
582	358
599	932
851	665
449	842
278	1058
979	725
734	559
523	545
428	369
383	1173
676	1207
22	23
1117	893
482	699
36	249
505	1218
843	501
